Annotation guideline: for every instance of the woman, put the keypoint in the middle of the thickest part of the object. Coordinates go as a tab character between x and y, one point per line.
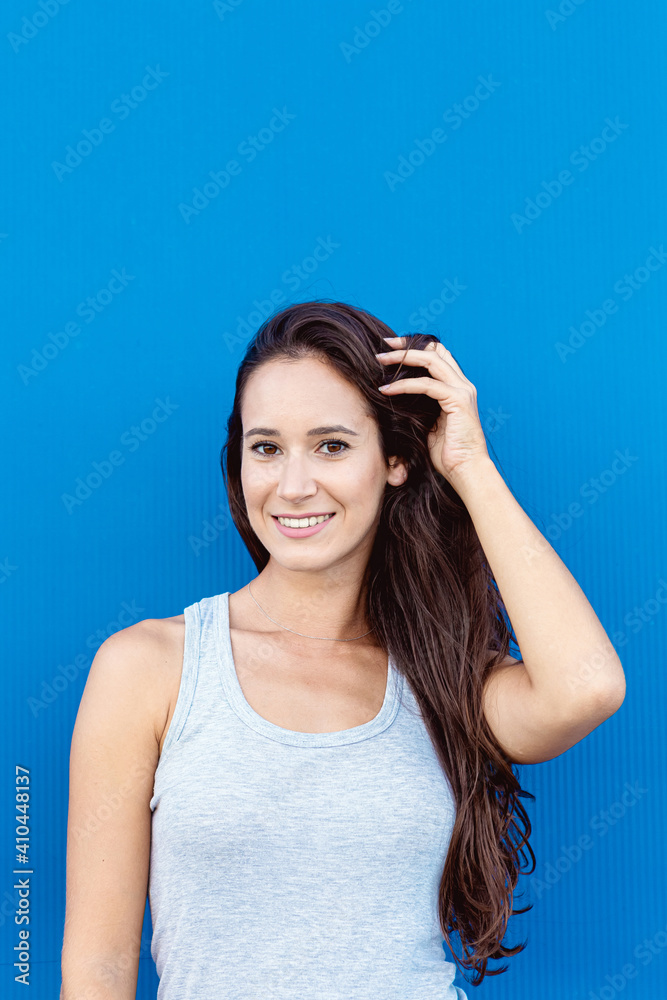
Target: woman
314	775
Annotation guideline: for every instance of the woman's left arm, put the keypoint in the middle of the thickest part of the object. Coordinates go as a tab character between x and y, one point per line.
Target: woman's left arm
570	678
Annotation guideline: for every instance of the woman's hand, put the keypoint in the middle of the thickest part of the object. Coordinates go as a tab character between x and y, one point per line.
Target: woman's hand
456	442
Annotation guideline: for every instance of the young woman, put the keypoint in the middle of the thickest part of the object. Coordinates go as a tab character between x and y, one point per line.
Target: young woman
314	776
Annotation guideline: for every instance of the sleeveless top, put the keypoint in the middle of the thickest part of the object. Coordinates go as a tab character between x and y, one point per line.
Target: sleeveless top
290	865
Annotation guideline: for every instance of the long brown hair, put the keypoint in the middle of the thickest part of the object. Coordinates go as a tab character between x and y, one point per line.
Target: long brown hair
435	606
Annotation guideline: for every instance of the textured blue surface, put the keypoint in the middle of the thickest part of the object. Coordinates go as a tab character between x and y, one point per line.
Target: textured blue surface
174	171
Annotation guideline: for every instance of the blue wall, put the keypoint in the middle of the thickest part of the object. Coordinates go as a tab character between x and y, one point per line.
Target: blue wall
494	172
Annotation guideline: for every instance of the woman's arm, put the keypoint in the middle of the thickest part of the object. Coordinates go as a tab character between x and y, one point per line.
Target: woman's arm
570	678
114	754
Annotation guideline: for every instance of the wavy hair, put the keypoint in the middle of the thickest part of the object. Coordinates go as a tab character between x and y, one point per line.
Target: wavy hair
435	606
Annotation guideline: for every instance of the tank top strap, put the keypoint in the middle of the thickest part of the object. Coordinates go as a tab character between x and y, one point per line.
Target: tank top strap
199	672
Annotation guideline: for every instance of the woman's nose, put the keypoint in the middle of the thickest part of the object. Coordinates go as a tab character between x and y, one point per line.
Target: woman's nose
296	479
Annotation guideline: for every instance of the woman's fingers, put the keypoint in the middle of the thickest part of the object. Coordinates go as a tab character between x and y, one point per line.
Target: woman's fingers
433	346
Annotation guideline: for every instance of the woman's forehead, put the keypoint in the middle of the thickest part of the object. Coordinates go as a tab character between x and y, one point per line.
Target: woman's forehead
305	383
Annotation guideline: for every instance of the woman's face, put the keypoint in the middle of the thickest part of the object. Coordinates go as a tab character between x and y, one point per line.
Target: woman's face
288	467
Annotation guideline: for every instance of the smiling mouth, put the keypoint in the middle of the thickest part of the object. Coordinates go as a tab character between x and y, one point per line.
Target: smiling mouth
302	522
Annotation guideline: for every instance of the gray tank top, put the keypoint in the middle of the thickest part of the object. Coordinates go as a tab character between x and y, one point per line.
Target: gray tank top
288	865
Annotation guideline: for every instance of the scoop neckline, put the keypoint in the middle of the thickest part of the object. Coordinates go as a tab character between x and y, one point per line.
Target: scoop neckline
254	720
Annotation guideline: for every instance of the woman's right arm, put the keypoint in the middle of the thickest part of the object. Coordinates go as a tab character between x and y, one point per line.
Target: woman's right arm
113	757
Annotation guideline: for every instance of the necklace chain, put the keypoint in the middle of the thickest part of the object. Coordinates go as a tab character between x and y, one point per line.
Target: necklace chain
302	633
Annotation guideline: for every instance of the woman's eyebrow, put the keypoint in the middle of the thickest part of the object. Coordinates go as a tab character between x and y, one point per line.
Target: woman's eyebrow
272	432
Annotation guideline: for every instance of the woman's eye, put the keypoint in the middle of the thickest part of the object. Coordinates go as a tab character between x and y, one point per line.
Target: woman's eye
339	452
339	445
262	444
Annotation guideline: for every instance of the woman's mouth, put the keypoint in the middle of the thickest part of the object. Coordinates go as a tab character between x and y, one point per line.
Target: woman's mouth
301	527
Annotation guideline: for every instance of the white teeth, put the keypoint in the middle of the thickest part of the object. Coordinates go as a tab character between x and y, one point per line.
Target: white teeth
303	522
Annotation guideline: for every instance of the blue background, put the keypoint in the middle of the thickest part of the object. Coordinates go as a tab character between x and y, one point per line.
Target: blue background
355	105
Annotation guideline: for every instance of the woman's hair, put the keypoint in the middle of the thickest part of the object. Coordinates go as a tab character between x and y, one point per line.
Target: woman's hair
436	609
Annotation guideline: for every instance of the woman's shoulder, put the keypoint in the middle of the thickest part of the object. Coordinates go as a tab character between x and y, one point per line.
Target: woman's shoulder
156	645
147	657
148	640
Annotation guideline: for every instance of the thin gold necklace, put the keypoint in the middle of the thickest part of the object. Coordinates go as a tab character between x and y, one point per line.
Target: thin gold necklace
302	633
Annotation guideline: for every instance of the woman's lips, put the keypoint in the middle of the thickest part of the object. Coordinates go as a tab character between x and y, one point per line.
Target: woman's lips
301	532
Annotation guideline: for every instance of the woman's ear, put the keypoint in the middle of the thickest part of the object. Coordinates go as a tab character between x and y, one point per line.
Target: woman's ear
398	471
